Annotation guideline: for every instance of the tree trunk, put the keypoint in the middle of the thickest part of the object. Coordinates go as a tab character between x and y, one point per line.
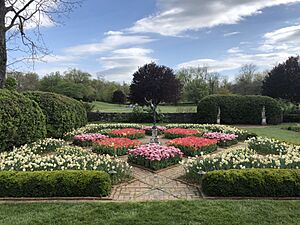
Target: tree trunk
3	52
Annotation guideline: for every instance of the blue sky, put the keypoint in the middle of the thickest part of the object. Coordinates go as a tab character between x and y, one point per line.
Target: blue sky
114	37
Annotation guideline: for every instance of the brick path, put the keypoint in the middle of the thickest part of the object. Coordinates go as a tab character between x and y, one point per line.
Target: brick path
161	185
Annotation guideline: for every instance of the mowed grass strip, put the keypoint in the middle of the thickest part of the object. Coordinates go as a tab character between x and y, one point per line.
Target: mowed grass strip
278	133
208	212
116	108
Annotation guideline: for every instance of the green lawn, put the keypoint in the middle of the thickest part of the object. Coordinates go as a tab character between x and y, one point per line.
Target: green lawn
108	107
206	212
277	133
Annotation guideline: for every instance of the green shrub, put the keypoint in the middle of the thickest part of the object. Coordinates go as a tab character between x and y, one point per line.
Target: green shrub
252	183
21	120
67	183
63	114
237	109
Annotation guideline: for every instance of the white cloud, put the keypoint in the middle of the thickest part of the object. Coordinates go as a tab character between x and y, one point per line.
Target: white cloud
59	58
177	16
231	34
234	50
112	40
287	39
122	63
236	60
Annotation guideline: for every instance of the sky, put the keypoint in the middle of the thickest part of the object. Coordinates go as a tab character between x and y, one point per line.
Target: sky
112	38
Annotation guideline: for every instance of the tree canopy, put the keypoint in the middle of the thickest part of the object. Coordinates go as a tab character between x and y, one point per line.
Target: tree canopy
283	81
154	82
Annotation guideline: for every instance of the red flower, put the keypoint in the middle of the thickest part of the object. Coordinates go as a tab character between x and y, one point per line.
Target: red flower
192	142
127	131
182	131
118	143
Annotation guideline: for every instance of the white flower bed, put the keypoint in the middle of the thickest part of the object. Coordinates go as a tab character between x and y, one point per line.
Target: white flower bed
267	145
241	159
26	158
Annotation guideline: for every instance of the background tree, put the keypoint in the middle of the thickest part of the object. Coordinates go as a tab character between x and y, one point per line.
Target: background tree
119	97
248	81
16	16
156	83
25	81
283	81
195	90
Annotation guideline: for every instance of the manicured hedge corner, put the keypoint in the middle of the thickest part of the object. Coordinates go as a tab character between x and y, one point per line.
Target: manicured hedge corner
66	183
63	114
237	109
252	183
21	120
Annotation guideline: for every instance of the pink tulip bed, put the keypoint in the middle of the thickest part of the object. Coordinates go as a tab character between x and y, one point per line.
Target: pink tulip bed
181	132
192	146
114	146
130	133
154	156
85	140
148	130
224	140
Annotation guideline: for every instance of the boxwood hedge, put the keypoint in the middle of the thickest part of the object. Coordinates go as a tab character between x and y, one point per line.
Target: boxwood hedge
21	120
63	114
236	109
252	183
66	183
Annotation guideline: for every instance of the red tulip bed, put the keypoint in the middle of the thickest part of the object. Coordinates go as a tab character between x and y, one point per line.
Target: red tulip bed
192	146
181	132
224	140
85	140
114	146
155	156
130	133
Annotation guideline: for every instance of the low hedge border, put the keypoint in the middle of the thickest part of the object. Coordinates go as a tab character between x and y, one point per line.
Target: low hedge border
252	183
66	183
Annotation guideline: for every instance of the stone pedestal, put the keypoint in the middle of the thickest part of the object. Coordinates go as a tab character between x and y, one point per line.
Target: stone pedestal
154	137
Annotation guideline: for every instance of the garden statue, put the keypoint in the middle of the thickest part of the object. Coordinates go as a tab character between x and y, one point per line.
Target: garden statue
219	116
154	138
263	116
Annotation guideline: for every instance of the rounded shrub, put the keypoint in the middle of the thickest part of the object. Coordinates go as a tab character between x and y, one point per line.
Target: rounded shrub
252	183
237	109
63	114
21	120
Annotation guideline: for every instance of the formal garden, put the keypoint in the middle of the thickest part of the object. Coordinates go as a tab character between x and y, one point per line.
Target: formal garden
234	147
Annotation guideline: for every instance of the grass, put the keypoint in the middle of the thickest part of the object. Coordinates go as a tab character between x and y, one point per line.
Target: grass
115	108
208	212
277	133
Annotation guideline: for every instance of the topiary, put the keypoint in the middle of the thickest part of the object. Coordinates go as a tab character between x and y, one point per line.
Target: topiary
21	120
63	114
237	109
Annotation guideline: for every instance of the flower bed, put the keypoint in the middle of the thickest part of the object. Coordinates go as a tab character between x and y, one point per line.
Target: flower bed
85	140
241	159
265	146
46	145
115	146
148	130
224	140
154	156
192	146
98	128
180	132
130	133
25	158
242	134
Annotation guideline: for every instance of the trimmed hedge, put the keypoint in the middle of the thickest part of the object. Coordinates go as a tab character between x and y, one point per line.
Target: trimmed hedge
252	183
63	114
66	183
236	109
21	120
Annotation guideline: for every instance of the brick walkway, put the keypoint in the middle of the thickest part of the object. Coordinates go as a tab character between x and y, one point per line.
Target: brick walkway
161	185
148	185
